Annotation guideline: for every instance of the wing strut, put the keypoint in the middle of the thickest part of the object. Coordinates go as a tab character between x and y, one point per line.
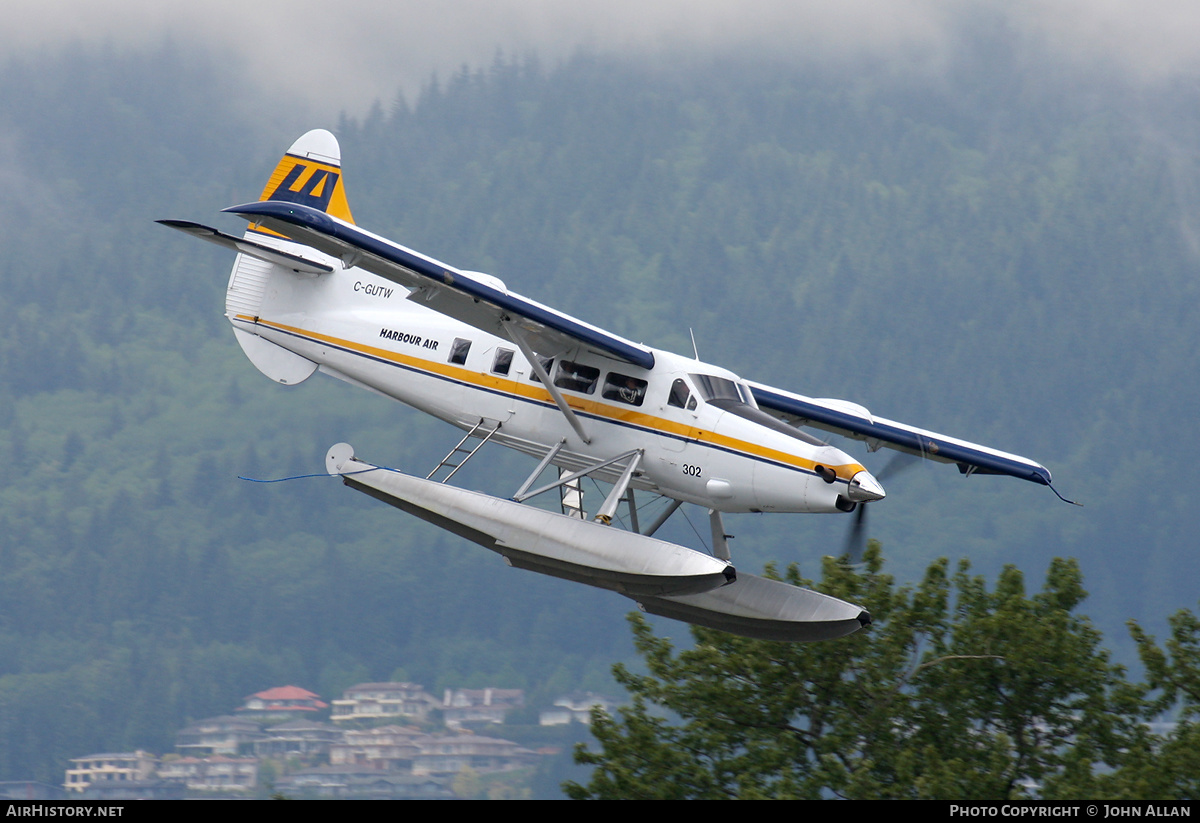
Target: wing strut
719	538
664	517
609	508
633	518
567	478
541	467
518	337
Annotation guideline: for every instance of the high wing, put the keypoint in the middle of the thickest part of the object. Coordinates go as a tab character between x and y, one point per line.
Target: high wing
476	299
854	421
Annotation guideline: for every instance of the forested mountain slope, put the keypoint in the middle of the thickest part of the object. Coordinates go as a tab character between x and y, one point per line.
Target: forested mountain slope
1008	260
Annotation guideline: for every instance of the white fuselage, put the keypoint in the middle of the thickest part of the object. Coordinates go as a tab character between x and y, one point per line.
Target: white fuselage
362	329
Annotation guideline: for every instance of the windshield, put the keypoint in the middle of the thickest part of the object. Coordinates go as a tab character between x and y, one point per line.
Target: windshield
713	388
736	398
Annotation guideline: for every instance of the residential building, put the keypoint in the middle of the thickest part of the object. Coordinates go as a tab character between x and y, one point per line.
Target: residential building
227	734
363	783
304	737
453	753
124	767
371	701
134	790
575	707
388	748
463	706
212	774
283	700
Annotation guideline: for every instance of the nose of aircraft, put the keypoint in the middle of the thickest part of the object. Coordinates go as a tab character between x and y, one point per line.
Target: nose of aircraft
863	488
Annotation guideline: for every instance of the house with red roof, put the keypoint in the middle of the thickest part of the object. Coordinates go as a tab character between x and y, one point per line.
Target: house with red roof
282	701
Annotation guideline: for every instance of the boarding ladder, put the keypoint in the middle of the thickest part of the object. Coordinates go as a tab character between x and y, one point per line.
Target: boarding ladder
483	431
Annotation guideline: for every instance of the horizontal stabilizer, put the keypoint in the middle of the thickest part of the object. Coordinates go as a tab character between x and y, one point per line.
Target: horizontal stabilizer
249	247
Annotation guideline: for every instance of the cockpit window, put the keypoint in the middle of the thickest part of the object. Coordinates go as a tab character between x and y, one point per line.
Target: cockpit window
713	388
546	363
624	389
681	395
576	377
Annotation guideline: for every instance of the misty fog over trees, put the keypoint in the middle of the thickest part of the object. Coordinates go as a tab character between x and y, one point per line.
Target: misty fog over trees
1006	254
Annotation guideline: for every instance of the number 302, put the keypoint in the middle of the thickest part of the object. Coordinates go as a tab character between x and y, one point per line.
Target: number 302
692	471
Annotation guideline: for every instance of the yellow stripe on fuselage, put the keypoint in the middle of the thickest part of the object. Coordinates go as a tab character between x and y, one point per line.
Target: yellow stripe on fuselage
530	391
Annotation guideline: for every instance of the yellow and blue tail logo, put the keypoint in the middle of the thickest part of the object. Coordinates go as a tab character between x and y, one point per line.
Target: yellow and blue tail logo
311	174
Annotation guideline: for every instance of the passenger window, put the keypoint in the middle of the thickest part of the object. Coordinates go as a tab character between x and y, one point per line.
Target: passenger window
624	389
576	377
503	361
547	363
680	396
458	351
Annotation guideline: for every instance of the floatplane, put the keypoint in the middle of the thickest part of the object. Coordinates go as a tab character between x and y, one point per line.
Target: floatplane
311	291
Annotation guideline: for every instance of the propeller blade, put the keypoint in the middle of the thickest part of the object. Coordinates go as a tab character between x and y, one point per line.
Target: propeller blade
856	540
899	463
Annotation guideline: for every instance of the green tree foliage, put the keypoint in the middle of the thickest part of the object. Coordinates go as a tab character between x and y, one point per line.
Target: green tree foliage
1165	765
955	691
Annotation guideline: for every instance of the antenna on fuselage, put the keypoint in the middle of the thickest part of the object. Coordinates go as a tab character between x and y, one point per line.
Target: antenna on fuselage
695	351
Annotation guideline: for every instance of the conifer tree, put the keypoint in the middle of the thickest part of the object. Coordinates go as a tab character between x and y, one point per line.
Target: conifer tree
954	691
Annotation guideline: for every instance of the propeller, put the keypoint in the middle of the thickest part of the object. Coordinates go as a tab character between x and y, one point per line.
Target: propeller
856	542
856	539
899	463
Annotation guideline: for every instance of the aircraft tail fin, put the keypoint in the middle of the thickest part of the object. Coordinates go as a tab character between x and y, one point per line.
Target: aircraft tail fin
310	173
